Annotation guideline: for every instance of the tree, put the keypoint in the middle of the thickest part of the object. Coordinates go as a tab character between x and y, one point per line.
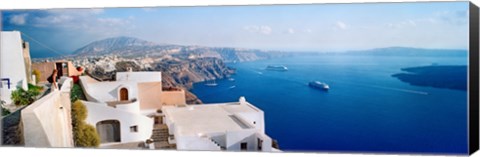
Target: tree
85	135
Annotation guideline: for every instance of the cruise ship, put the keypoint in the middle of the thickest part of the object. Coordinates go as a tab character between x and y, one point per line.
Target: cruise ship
277	68
319	85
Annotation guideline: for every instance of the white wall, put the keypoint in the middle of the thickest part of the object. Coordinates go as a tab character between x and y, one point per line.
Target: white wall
99	112
235	138
107	91
12	64
84	83
133	107
267	142
47	121
139	76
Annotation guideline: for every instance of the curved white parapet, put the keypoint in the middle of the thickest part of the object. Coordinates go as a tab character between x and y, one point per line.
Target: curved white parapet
66	83
107	91
47	121
84	83
128	106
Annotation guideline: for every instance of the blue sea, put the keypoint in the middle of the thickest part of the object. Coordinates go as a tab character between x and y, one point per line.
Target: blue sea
365	110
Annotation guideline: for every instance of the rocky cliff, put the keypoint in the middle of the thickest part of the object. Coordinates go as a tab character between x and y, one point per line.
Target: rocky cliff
181	66
175	73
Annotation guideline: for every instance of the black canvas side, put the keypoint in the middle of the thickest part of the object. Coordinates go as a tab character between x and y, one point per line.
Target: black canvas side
473	112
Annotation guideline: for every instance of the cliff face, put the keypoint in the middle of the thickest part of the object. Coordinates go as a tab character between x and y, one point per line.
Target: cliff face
181	66
188	72
175	73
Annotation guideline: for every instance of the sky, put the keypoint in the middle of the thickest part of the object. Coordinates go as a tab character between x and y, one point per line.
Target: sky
319	27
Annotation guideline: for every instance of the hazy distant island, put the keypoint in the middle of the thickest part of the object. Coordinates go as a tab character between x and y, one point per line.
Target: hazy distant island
438	76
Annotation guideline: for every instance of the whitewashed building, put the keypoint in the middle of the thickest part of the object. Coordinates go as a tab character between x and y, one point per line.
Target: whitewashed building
136	108
13	57
236	126
122	110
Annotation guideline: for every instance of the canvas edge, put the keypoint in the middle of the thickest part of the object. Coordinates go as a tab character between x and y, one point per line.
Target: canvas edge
473	105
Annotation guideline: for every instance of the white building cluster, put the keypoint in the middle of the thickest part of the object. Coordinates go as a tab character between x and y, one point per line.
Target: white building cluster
131	108
134	109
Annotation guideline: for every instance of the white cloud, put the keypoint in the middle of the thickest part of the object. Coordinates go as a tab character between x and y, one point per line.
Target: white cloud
84	20
453	17
291	31
341	25
266	30
409	23
19	19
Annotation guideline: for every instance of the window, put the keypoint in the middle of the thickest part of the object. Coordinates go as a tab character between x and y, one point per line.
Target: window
158	120
243	146
260	142
134	128
123	94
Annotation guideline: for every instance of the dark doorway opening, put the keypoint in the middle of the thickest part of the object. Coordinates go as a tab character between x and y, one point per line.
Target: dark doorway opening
109	131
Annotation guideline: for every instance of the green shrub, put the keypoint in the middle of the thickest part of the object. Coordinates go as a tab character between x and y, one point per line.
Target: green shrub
77	93
4	110
35	88
37	75
22	97
84	135
79	112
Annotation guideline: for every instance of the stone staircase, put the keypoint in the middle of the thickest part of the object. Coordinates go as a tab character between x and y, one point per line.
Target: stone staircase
160	137
216	143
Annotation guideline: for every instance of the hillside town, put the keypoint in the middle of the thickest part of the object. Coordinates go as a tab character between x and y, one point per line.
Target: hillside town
118	102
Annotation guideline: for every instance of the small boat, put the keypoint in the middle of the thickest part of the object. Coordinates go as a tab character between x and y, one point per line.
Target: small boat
231	79
277	68
211	84
231	87
319	85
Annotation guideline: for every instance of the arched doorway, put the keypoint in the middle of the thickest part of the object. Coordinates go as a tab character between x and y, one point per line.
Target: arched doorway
109	131
123	94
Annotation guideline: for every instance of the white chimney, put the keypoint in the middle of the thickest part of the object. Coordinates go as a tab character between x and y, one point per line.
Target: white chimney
242	100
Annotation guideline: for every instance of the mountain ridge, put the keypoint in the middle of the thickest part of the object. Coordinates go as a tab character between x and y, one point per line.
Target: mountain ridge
134	47
408	51
107	45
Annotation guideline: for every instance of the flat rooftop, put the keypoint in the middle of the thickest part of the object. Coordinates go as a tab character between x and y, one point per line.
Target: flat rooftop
208	118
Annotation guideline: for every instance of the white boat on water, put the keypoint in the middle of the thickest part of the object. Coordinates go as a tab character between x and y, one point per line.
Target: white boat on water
211	84
277	68
319	85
